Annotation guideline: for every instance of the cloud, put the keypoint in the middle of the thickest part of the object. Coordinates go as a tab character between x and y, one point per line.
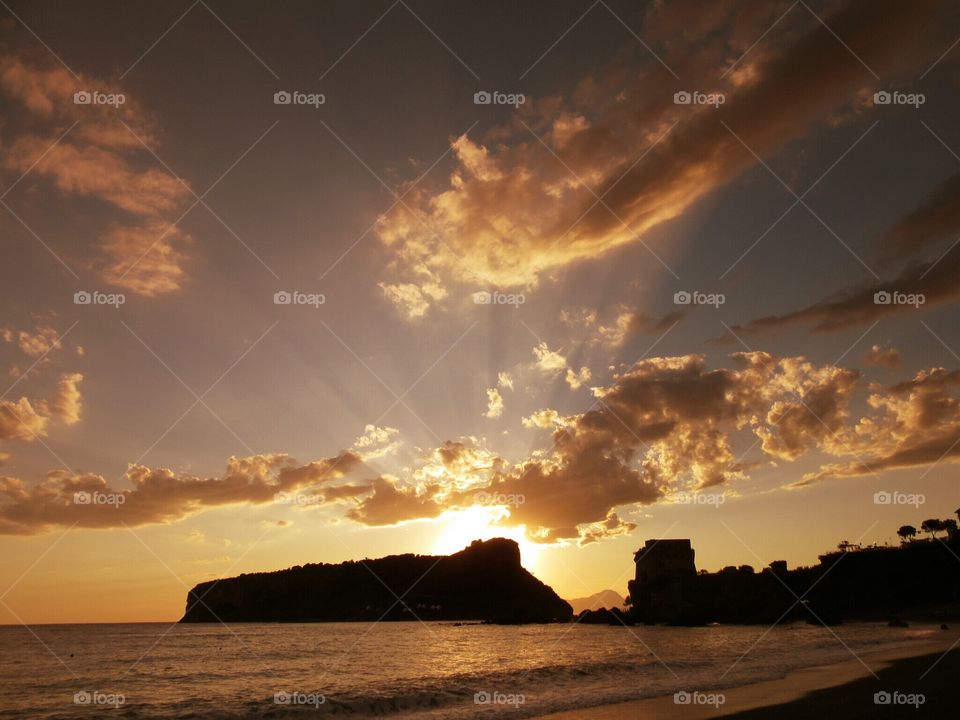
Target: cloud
916	423
391	503
101	173
505	380
65	403
576	379
20	421
412	300
936	218
628	324
28	421
546	419
159	495
494	403
552	363
100	158
878	356
547	360
376	442
666	424
41	340
937	281
515	207
144	259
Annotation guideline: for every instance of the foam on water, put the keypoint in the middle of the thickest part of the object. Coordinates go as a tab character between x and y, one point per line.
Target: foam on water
401	670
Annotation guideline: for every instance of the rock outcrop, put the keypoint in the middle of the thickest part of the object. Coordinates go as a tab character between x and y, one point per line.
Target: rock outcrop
485	582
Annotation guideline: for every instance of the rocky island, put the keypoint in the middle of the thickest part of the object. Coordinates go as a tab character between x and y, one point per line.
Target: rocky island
483	582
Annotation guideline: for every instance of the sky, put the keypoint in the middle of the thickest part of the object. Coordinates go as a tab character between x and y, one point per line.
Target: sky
312	282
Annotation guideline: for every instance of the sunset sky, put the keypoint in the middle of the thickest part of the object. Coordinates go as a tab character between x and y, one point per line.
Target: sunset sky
488	334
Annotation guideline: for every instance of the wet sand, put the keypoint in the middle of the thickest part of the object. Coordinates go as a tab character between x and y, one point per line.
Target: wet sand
844	690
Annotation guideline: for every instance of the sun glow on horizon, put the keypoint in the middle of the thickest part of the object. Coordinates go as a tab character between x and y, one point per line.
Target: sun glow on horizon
462	527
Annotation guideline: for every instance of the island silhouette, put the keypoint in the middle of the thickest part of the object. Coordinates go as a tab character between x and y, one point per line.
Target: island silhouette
483	582
486	582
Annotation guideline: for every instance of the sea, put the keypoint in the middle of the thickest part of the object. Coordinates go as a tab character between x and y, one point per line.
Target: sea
396	670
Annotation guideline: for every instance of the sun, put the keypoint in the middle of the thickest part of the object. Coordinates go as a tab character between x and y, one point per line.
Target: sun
457	529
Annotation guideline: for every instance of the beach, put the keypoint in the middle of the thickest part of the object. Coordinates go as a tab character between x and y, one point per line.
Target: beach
920	681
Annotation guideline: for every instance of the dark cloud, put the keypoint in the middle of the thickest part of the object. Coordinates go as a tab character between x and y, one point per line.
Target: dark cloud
157	496
937	281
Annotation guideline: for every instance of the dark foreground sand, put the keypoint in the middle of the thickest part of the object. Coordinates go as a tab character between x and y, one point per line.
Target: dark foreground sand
844	691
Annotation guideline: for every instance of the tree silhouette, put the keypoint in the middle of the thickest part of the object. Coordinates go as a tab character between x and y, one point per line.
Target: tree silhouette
949	525
907	533
932	526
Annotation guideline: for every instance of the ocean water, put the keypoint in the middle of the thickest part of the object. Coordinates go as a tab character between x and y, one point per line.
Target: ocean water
398	670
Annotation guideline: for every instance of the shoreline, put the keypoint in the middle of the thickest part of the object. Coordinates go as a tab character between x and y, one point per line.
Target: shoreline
804	692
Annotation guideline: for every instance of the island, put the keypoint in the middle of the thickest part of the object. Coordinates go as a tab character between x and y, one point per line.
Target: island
484	582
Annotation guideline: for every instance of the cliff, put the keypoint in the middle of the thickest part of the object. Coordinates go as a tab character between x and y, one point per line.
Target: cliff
485	581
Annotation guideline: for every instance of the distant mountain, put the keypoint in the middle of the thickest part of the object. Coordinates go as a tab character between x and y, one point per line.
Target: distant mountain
485	581
603	599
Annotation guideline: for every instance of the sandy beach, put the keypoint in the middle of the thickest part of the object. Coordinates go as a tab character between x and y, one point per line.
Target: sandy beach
844	689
